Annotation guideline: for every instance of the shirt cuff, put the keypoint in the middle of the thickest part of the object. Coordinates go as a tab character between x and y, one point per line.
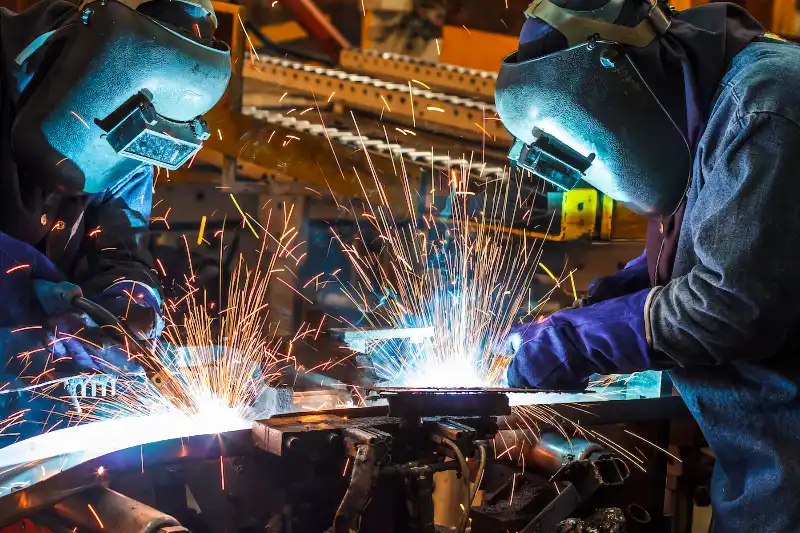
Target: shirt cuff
648	332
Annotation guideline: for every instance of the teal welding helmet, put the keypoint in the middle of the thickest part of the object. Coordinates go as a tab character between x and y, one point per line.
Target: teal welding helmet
118	85
586	113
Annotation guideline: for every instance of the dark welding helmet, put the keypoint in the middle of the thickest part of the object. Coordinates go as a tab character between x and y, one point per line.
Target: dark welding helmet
585	113
118	85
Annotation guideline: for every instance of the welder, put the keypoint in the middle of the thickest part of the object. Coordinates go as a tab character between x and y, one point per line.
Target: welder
691	118
93	96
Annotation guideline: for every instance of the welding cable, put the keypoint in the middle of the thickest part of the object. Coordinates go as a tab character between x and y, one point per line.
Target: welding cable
104	317
479	475
462	462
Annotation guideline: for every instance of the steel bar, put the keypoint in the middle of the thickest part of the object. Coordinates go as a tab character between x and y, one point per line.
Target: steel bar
398	102
426	158
437	75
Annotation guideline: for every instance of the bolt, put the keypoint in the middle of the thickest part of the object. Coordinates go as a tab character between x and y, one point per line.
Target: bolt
609	57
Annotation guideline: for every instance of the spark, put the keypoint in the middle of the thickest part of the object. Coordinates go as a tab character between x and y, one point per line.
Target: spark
346	465
422	84
331	96
16	268
549	273
386	104
411	99
202	231
101	470
252	48
483	130
81	119
97	231
463	26
304	111
61	161
438	50
470	300
654	445
219	132
437	109
282	97
161	266
95	515
222	473
244	217
25	328
572	281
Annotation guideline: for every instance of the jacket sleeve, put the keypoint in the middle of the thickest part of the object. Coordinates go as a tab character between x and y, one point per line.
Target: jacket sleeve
740	301
118	225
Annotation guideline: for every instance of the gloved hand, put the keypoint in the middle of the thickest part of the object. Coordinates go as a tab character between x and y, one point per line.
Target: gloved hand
33	342
20	264
634	277
562	351
75	336
137	305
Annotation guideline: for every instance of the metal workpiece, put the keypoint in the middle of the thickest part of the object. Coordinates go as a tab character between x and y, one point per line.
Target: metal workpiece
363	340
431	109
421	403
101	509
376	146
549	452
437	75
285	434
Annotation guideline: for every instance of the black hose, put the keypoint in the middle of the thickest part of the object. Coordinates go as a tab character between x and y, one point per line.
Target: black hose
104	317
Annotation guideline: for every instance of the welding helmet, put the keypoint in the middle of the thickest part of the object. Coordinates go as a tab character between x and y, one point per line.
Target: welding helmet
585	113
119	84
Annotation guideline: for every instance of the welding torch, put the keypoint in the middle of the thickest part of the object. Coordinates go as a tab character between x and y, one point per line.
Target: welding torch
63	296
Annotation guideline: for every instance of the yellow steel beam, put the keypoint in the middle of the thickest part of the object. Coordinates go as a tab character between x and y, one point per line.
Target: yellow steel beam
285	154
437	75
397	102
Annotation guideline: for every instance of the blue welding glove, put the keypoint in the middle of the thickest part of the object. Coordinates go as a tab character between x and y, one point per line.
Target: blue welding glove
562	351
634	277
76	337
138	305
20	264
34	342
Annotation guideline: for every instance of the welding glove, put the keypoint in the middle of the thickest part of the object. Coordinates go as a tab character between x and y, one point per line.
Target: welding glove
20	264
75	336
136	304
562	351
33	342
632	278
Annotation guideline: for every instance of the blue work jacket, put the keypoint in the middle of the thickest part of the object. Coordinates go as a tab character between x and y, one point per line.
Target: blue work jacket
730	316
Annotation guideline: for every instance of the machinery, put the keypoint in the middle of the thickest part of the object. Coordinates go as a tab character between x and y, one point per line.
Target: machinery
420	460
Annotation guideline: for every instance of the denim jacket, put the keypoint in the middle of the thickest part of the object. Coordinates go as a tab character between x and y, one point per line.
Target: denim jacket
730	315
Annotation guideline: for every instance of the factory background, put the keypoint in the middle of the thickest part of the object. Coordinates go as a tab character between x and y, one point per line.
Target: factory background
348	65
